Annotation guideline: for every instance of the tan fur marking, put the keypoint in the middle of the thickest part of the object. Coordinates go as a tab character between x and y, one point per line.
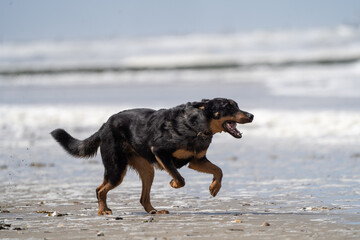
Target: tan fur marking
201	154
185	154
160	162
102	191
146	172
206	166
216	125
158	159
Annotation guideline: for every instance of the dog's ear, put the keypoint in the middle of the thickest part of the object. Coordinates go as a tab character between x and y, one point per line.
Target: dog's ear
200	105
210	109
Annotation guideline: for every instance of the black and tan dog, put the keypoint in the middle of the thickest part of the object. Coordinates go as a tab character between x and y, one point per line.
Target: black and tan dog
167	139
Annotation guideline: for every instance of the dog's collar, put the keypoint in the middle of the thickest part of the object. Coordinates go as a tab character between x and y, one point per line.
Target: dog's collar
203	134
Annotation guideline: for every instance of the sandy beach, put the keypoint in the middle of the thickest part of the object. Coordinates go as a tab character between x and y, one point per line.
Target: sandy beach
194	218
48	204
303	189
295	174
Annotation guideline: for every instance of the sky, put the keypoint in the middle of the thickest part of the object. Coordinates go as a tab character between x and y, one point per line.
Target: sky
32	20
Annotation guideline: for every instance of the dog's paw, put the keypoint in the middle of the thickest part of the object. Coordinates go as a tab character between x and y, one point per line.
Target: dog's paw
159	212
162	212
105	211
215	188
176	184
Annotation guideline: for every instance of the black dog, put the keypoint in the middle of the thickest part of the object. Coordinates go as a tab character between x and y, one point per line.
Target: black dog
167	138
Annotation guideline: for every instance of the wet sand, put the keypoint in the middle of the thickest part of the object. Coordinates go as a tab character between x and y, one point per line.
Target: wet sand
202	219
56	200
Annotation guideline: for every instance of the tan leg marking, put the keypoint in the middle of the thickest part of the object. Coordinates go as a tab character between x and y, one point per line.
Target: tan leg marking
146	172
205	166
102	191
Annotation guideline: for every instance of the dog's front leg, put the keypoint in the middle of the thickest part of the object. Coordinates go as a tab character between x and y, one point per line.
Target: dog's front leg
166	162
205	166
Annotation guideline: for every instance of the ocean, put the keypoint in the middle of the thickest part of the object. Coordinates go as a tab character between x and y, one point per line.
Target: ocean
303	86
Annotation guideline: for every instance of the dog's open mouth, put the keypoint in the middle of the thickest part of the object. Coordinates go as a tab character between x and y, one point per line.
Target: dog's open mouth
230	127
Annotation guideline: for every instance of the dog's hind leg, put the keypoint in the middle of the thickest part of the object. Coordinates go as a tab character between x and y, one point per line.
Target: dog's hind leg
115	163
99	188
146	172
101	194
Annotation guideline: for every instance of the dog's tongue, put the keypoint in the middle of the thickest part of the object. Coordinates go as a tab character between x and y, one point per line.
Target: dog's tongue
231	127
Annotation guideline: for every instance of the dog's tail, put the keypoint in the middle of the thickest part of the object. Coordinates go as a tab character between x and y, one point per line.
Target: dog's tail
83	149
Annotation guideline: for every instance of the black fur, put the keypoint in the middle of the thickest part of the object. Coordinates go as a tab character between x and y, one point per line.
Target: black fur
154	136
86	148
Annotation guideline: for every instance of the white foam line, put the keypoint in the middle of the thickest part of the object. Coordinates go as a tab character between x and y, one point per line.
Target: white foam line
248	47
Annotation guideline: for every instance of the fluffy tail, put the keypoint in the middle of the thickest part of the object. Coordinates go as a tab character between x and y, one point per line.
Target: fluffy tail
77	148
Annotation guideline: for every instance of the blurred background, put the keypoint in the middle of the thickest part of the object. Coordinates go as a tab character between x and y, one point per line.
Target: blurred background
294	64
277	56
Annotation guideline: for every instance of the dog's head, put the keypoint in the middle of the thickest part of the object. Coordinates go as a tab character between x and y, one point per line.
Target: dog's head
224	114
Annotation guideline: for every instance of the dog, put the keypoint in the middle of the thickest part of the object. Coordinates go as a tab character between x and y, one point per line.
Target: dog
167	139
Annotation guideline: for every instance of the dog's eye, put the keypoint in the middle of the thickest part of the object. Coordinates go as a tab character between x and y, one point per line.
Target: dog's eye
230	108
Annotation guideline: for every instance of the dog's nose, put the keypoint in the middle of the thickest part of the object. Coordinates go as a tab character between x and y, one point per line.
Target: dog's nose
250	116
